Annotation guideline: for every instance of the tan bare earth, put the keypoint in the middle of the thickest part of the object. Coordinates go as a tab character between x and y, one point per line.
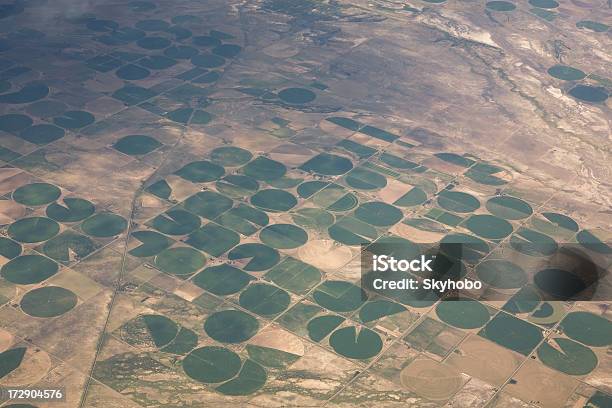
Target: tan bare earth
279	339
10	211
431	379
325	254
34	366
6	340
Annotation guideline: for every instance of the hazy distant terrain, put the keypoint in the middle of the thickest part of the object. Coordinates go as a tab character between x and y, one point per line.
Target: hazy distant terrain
185	188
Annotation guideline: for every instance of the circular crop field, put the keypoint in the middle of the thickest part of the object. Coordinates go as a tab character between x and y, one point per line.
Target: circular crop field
68	246
30	92
74	119
572	359
154	43
501	274
500	5
283	236
588	240
588	328
230	156
48	301
339	296
587	93
377	309
207	60
259	256
335	198
562	221
362	179
131	72
201	172
309	188
235	185
328	164
206	41
464	246
509	208
73	210
594	26
378	214
533	243
319	327
227	50
231	326
14	122
180	52
176	222
9	249
264	169
545	4
489	226
104	225
264	299
33	229
222	280
296	96
42	134
464	314
457	201
180	260
274	200
431	379
36	194
28	269
136	145
357	345
46	108
211	364
566	73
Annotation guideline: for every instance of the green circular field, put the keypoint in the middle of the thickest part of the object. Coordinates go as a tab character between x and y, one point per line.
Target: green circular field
201	172
206	41
227	50
251	378
339	296
566	73
14	122
309	188
562	221
154	43
335	198
36	194
509	208
180	52
9	249
131	72
136	145
74	119
533	243
235	185
157	62
274	200
593	26
42	134
464	314
104	225
377	309
513	333
319	327
28	269
362	179
231	326
211	364
33	229
328	164
176	222
588	329
30	92
587	93
463	246
152	25
363	345
230	156
588	240
312	218
500	5
68	246
283	236
572	359
180	260
501	274
260	257
264	169
489	226
222	280
207	60
264	299
48	301
72	210
378	214
457	201
296	96
545	4
46	108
